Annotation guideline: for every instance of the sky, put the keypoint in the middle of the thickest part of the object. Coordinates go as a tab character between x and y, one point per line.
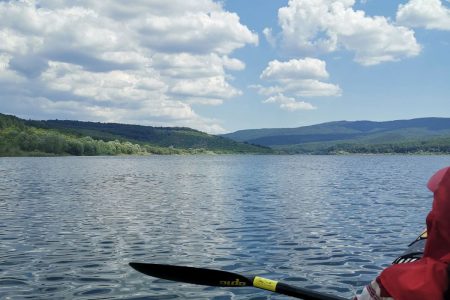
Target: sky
223	66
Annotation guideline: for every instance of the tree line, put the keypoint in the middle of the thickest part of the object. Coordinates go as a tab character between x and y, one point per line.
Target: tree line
437	145
431	146
18	139
178	137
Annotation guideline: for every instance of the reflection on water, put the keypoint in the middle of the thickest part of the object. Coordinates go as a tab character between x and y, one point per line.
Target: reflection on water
70	225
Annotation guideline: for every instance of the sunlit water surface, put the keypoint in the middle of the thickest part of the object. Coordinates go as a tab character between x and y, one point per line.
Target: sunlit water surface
70	225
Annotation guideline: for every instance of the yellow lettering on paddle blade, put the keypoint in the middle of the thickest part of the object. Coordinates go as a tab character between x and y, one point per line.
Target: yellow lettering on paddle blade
265	284
232	283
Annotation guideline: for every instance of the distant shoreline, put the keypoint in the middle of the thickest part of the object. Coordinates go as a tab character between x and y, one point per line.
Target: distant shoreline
39	154
20	138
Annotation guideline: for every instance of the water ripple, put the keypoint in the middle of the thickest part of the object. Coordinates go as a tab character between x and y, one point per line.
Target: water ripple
70	225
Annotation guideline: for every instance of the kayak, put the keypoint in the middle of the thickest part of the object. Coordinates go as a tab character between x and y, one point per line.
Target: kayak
415	250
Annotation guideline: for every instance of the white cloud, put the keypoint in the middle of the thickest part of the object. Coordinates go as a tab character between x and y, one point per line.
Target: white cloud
430	14
289	103
271	39
295	68
296	78
212	87
123	10
112	87
202	32
312	88
111	60
186	65
301	88
13	42
321	26
7	75
233	64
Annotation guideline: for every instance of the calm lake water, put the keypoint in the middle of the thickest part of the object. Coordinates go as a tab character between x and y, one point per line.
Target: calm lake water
70	225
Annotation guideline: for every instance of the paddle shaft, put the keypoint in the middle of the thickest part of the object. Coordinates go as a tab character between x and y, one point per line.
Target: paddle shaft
288	290
303	293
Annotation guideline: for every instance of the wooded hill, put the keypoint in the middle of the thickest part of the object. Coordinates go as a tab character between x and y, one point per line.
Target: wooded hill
54	137
424	135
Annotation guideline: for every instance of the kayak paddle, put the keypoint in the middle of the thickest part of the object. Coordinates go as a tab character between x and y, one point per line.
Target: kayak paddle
226	279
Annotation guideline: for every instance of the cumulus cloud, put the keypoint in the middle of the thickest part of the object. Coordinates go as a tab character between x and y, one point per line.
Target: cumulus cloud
268	34
295	68
323	26
300	77
296	78
8	76
430	14
111	87
145	61
202	33
289	103
205	87
312	88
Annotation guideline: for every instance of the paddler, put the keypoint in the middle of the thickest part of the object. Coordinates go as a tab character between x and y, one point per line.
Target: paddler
428	277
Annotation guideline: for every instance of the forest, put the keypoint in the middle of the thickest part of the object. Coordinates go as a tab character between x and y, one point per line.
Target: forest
19	139
429	146
163	137
433	146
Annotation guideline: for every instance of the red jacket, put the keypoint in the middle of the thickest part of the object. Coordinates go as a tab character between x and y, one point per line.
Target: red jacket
427	278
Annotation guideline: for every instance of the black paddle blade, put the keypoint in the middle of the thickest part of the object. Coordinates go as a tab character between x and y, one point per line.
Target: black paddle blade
193	275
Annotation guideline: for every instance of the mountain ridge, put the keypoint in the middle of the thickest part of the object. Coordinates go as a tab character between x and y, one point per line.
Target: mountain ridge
326	137
71	137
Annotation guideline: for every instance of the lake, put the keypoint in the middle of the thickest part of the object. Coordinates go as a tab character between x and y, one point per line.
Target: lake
70	225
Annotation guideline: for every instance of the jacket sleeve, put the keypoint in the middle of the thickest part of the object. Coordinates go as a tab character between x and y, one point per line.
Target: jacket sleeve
374	291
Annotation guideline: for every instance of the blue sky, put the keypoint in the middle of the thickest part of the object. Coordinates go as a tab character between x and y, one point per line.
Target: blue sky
225	66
